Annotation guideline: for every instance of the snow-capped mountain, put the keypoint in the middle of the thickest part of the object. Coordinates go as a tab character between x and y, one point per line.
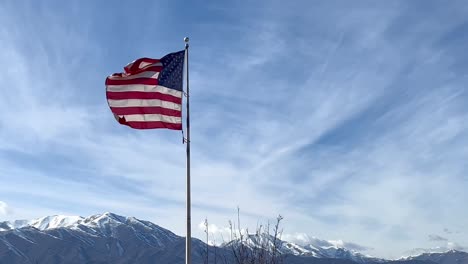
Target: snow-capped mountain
106	224
416	252
110	238
102	238
446	257
331	251
44	223
312	247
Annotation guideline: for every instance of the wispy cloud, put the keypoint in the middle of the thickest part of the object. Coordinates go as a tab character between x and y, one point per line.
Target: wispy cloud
349	120
437	238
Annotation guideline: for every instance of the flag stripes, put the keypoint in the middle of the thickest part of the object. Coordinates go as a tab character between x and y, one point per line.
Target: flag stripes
153	72
143	88
143	95
140	64
138	99
143	103
151	125
145	110
146	81
154	117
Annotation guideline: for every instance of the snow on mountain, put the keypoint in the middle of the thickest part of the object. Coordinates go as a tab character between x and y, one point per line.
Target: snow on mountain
118	234
107	224
101	238
417	252
311	247
56	221
43	223
442	256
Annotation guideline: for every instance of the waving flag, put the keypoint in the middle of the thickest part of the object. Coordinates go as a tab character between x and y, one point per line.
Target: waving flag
149	93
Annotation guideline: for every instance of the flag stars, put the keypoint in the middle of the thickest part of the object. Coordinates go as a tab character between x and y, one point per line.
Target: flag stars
172	73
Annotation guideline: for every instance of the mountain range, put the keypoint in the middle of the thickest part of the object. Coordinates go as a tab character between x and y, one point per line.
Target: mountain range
111	238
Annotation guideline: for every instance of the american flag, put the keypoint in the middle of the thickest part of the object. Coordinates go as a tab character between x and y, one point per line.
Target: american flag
149	93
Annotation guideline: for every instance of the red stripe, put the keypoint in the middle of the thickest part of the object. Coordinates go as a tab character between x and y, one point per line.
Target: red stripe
145	110
151	125
146	81
143	95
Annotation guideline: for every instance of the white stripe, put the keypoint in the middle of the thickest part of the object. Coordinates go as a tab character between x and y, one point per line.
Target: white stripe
153	117
146	74
145	64
144	88
144	103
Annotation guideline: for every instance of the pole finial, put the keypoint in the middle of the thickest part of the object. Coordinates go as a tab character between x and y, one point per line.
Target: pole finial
186	40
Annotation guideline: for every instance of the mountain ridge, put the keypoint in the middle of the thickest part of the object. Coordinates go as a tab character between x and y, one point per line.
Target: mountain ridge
111	238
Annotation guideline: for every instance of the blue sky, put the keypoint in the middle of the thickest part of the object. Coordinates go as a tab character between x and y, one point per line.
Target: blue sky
349	118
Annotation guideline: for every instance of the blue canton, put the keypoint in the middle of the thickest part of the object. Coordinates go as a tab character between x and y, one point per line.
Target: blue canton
173	70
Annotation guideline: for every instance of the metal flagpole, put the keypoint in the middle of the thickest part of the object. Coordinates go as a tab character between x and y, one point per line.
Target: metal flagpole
188	239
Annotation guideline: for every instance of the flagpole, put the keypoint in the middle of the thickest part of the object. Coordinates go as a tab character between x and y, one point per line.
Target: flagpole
188	239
